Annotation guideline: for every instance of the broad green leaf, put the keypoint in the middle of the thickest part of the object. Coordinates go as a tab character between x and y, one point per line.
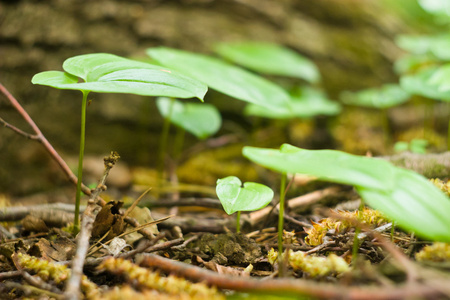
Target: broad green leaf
308	104
328	165
200	119
235	197
223	77
402	195
268	58
107	73
429	82
387	96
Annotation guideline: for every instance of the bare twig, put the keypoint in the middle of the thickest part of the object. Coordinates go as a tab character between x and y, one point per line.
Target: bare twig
40	138
73	284
285	286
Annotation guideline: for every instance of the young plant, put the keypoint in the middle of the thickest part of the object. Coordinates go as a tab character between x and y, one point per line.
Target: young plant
107	73
405	197
415	146
236	197
201	120
383	98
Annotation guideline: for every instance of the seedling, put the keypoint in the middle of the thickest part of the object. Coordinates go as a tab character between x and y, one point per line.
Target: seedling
271	59
236	197
415	146
107	73
202	120
408	198
382	98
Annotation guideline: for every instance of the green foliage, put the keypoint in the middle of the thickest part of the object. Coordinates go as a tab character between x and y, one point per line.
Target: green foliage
223	77
269	59
235	197
107	73
425	83
415	146
307	103
388	95
202	120
435	45
402	195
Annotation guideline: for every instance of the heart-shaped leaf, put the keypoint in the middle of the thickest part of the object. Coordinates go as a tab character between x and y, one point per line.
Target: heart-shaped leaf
235	197
270	59
200	119
309	103
402	195
429	82
387	96
107	73
223	77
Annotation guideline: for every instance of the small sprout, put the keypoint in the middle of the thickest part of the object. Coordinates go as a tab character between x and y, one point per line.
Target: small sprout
438	252
315	266
236	198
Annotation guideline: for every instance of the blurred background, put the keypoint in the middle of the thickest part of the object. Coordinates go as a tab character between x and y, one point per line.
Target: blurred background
354	44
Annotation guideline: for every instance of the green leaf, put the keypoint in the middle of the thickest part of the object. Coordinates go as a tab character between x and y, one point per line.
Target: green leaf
223	77
388	95
309	103
200	119
270	59
107	73
437	45
402	195
430	82
252	196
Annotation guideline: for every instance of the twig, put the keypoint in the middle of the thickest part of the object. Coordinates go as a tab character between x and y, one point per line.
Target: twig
73	284
10	274
285	286
28	289
146	248
40	138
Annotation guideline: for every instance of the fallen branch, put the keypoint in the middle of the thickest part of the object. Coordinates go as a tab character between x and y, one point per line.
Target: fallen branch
286	286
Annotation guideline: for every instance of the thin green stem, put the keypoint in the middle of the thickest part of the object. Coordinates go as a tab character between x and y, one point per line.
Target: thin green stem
163	142
281	222
238	222
178	143
355	247
386	127
76	221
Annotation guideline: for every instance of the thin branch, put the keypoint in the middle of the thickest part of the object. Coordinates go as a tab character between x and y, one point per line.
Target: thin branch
41	138
285	286
73	284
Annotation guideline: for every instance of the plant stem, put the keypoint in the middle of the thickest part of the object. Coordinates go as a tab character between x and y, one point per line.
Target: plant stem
238	220
281	223
163	143
76	221
178	143
357	231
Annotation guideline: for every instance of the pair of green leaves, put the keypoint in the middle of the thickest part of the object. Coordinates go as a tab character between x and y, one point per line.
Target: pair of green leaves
402	195
237	197
107	73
